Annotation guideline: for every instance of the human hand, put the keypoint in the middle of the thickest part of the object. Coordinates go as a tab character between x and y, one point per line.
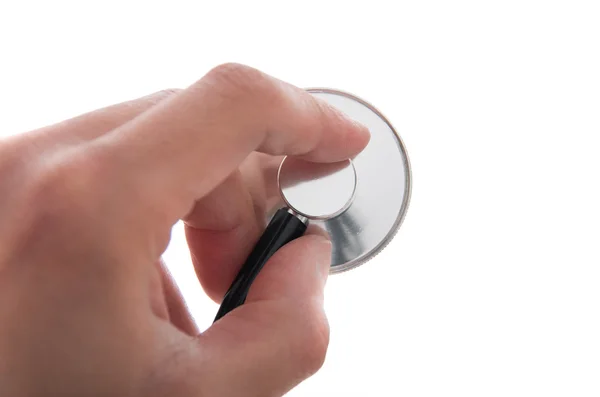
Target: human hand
86	209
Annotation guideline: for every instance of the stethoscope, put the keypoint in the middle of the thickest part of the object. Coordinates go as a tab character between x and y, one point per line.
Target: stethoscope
359	203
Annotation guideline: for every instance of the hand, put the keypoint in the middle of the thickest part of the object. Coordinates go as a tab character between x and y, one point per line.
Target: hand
86	207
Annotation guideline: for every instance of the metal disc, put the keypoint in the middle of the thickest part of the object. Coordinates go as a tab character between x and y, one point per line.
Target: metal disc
317	190
359	227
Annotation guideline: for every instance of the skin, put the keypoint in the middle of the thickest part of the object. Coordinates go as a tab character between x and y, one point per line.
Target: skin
87	308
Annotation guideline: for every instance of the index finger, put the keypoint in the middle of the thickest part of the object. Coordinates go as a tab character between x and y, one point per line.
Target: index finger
184	147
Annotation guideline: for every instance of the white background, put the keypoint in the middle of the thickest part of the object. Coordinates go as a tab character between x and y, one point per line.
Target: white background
491	288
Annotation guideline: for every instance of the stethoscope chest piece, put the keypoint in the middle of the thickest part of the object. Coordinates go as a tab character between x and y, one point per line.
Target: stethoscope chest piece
359	203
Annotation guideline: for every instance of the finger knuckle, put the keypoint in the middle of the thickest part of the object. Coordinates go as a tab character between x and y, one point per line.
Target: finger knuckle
235	80
64	182
55	205
310	348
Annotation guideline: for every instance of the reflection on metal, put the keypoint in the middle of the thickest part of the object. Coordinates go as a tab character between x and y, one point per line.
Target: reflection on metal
359	204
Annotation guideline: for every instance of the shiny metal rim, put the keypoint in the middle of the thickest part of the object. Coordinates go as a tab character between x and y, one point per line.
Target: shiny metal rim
408	184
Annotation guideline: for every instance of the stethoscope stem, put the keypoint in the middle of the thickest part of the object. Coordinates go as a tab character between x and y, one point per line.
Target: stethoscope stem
284	227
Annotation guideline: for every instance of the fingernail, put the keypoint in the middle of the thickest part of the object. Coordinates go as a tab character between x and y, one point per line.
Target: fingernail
362	130
358	124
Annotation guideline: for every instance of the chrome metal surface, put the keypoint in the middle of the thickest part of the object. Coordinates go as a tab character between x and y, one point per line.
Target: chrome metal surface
317	190
381	195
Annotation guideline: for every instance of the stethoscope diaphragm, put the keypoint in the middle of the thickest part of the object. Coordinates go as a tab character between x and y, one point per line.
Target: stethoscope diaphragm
359	203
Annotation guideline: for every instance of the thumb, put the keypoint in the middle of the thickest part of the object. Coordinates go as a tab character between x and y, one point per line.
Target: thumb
279	337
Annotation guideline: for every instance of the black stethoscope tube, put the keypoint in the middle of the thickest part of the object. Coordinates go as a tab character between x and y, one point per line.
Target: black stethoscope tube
283	228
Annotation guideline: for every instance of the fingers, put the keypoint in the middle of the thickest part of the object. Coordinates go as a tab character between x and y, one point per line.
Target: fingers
29	147
279	337
184	147
220	233
233	215
98	122
256	180
227	206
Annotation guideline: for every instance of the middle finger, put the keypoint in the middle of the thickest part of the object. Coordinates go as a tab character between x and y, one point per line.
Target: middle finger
223	226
